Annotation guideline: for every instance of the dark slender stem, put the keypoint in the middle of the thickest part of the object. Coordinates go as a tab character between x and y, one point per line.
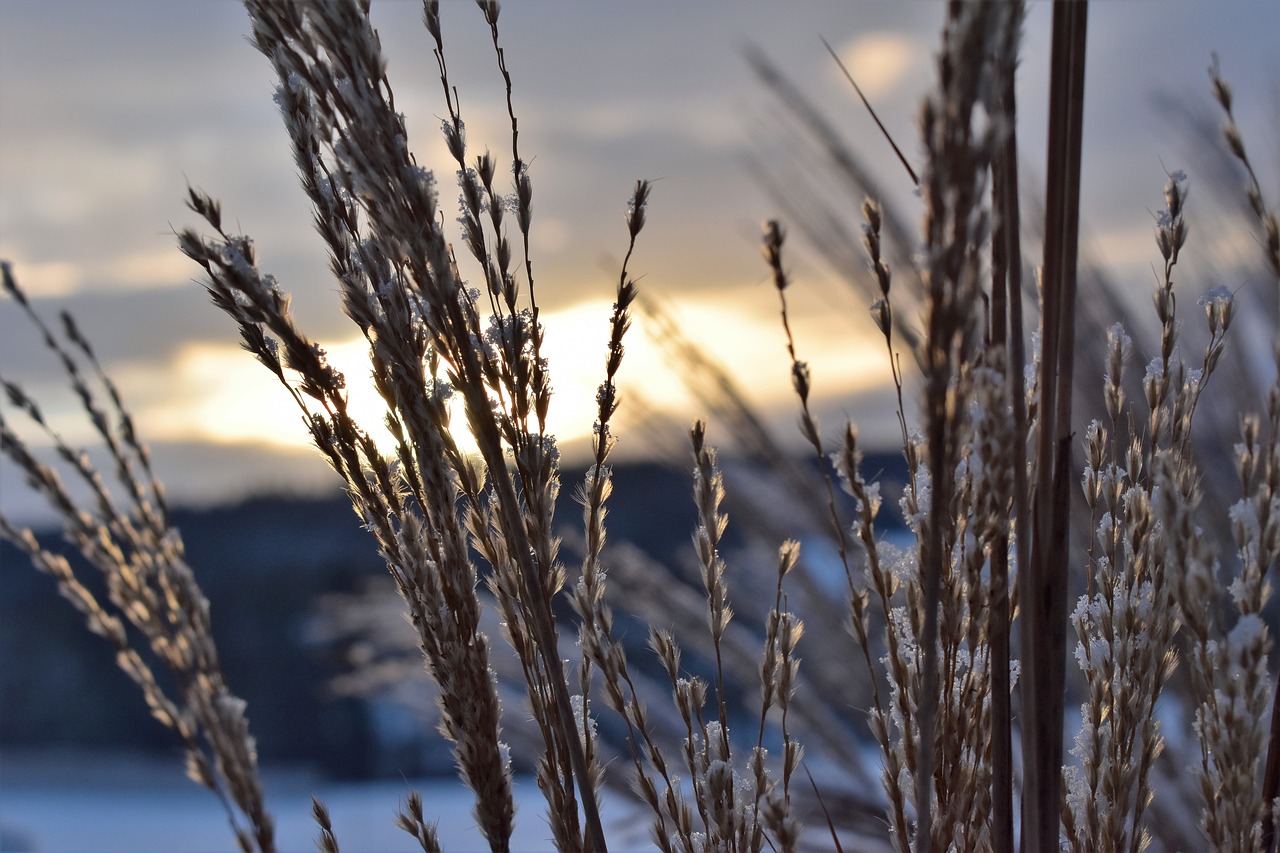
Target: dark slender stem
1017	363
1044	632
998	618
930	578
1007	247
1271	777
883	130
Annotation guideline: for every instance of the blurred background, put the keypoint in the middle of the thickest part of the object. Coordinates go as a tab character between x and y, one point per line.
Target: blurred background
108	110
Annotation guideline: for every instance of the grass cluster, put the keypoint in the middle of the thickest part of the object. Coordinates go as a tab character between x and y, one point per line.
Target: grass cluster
957	638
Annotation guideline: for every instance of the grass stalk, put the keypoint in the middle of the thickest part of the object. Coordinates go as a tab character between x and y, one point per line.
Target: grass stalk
1045	602
1007	333
990	478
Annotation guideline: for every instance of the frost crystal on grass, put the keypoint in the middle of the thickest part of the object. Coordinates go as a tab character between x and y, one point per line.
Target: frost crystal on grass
873	500
1244	516
1217	295
1116	334
580	713
1249	632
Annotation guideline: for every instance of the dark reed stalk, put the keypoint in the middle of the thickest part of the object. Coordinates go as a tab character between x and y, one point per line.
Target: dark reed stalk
1007	334
1045	593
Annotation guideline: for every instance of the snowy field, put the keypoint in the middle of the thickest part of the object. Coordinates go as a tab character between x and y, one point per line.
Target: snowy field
73	803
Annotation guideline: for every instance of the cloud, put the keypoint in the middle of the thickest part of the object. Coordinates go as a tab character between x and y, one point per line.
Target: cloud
109	108
131	270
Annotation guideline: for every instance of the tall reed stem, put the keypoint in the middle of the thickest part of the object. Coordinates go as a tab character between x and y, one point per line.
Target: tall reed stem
1007	333
1044	632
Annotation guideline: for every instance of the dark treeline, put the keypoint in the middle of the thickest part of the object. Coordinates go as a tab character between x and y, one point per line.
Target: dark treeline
263	564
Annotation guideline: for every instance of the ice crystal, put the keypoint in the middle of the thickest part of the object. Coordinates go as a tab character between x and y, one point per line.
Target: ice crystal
1217	295
873	500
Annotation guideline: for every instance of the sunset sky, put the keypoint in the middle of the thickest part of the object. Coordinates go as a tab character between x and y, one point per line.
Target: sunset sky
108	109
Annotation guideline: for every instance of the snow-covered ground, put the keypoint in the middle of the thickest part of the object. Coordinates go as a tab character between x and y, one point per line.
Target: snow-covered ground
76	803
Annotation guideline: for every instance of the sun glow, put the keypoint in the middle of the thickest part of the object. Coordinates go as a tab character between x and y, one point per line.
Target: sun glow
218	393
880	61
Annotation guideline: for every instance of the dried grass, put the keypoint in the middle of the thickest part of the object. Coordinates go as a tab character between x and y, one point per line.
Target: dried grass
934	619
